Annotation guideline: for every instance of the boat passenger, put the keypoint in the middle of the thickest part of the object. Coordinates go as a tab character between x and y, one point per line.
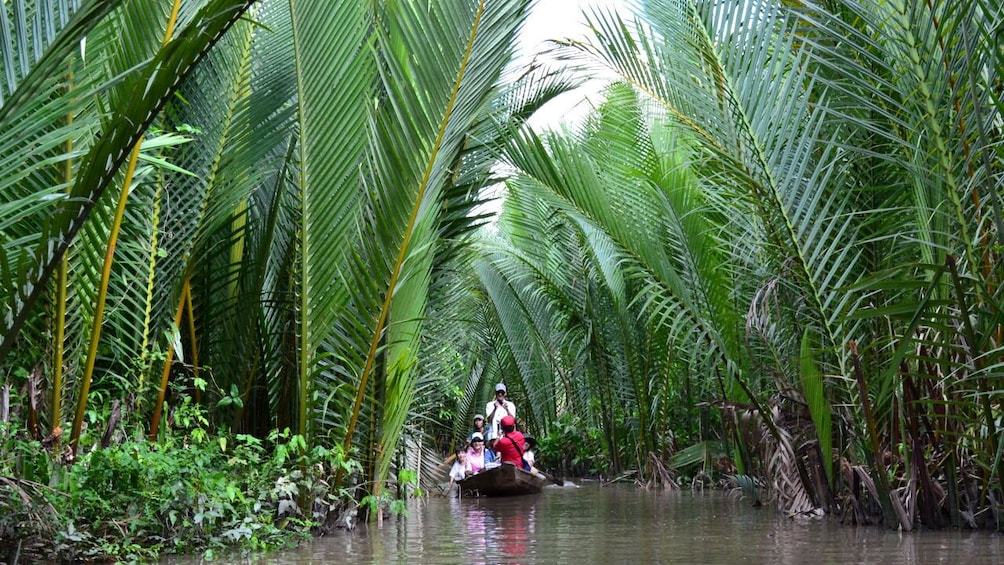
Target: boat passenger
476	454
529	457
496	410
528	454
479	427
461	468
511	445
491	458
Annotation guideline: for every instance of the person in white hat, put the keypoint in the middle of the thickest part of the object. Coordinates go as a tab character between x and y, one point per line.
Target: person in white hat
496	410
476	454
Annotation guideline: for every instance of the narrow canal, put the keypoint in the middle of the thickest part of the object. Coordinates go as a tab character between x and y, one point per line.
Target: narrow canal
623	524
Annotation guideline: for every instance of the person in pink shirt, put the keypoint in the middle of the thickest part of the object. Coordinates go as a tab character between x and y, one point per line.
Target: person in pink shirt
476	453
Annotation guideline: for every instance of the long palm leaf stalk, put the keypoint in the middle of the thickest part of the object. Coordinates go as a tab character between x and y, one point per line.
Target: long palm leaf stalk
99	308
60	317
162	389
875	455
193	344
113	236
463	65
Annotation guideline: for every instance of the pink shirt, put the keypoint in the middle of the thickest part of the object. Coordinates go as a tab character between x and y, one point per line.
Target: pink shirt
476	460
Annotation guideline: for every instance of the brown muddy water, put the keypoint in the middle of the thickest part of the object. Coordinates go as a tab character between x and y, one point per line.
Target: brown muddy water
624	524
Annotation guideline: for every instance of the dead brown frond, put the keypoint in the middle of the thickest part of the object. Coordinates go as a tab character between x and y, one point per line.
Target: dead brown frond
785	478
784	466
659	475
30	501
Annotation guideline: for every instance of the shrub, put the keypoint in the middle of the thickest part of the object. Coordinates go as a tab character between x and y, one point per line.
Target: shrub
572	449
186	493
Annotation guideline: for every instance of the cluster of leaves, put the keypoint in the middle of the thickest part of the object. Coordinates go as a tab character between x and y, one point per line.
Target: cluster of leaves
406	479
572	448
188	493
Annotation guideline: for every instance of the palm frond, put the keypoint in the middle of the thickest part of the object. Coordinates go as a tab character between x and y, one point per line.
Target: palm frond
31	61
160	78
330	46
461	65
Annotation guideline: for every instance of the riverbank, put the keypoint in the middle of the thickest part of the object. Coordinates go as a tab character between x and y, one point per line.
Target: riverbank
187	493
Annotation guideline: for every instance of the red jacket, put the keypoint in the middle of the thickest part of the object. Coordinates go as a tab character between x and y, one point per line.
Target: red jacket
508	452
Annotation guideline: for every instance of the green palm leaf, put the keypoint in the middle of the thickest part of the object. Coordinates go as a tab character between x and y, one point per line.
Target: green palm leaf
330	46
159	79
30	62
420	134
819	407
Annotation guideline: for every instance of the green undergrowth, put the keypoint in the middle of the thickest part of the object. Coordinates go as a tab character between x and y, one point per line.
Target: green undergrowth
572	449
190	492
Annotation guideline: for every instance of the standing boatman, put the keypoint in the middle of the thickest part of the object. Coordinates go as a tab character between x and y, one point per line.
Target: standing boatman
496	410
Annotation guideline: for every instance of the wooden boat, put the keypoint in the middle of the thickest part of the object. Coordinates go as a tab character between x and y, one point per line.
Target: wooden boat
505	480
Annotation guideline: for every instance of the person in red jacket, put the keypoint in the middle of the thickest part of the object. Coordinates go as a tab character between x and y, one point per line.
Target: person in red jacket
511	445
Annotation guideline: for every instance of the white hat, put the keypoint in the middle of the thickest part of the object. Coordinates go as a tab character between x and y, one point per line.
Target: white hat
477	436
499	387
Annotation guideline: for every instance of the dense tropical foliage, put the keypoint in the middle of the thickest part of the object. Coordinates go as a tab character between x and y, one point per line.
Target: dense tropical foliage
792	211
771	254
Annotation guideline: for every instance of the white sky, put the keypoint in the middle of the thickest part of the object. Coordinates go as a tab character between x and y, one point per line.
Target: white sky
560	19
556	19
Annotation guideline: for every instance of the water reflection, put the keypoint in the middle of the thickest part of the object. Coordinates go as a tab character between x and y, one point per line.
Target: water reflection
627	525
494	529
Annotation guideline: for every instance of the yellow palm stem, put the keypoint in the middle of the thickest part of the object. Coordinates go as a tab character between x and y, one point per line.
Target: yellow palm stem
57	358
187	293
99	308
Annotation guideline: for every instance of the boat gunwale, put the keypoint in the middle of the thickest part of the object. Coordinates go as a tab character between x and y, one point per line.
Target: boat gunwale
497	482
